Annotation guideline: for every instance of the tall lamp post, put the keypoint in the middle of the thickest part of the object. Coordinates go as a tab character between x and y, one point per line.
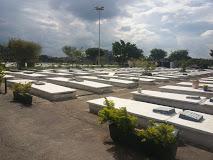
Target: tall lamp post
99	9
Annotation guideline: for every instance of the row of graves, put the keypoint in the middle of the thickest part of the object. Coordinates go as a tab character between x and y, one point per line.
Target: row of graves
188	105
61	83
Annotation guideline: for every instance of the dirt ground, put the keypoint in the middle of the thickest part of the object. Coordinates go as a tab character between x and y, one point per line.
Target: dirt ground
66	131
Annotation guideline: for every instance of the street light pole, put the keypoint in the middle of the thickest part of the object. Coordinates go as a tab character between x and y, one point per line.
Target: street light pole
99	9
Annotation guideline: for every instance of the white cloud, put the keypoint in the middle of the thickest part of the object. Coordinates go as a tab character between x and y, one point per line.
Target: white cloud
163	24
207	33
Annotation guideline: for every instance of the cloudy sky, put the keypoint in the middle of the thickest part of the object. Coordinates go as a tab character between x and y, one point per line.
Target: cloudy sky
166	24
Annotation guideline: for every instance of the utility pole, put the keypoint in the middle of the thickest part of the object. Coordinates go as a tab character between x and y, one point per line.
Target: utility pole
99	9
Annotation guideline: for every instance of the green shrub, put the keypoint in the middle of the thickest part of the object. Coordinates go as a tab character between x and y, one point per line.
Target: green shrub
22	88
159	140
158	133
205	87
125	122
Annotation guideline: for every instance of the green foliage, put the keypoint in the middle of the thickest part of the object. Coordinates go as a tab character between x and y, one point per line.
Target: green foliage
184	64
22	88
4	53
157	54
147	65
24	51
179	55
159	134
119	117
199	63
205	87
73	53
109	103
68	50
159	140
92	54
122	52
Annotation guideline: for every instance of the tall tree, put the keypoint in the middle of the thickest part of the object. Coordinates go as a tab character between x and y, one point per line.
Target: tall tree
4	53
157	54
24	52
179	55
92	54
122	52
211	53
73	53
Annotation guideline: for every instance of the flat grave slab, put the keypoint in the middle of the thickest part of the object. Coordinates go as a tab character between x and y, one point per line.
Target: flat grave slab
186	90
9	77
182	101
199	133
169	76
111	81
163	79
135	79
28	75
82	74
207	82
54	74
190	84
144	111
46	90
207	79
82	84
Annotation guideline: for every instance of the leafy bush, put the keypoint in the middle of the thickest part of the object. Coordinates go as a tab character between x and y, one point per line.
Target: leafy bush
199	63
159	140
205	87
125	122
22	88
147	65
158	133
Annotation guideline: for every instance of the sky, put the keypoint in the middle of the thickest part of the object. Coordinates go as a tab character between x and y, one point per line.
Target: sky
165	24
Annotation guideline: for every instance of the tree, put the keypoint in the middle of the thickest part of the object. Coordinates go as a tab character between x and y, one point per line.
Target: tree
24	52
44	58
92	54
123	52
146	64
157	54
73	53
4	53
211	53
179	55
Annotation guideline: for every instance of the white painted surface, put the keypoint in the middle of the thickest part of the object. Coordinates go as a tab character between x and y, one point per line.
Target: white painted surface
8	76
205	126
207	82
31	75
155	77
47	87
167	95
190	84
207	102
135	107
84	82
188	89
